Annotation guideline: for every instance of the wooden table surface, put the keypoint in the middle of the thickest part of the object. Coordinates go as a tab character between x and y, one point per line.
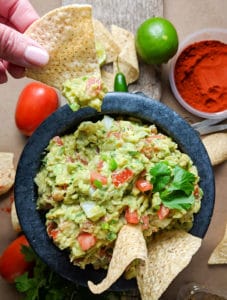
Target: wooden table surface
187	16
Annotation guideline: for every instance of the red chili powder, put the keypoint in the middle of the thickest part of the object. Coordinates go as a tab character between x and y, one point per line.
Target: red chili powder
201	76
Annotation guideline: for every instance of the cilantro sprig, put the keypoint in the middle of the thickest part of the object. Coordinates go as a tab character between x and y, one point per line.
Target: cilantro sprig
44	284
175	186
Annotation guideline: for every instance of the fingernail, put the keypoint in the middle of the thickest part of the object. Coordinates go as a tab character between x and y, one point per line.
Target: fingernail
36	56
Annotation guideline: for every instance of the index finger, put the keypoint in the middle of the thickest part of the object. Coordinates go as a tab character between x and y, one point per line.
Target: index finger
20	13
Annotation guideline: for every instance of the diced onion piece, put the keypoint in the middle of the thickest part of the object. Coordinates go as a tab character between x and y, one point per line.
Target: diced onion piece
108	122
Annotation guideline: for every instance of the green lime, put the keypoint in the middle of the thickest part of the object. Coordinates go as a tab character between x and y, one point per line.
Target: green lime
156	40
100	52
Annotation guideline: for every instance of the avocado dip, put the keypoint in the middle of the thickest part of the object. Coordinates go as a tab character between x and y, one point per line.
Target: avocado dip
84	91
109	173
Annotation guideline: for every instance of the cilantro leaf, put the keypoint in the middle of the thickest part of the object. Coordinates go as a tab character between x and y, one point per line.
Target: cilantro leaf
27	285
177	200
44	284
28	253
175	185
161	175
160	169
183	180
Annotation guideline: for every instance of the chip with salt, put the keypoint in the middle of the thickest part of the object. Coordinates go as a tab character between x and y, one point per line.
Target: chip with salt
103	36
169	252
130	245
67	34
219	255
127	61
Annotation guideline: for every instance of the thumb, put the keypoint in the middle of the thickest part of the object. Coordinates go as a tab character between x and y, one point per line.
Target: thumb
20	49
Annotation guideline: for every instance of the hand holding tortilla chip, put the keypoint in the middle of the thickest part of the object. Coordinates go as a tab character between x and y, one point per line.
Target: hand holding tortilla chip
67	34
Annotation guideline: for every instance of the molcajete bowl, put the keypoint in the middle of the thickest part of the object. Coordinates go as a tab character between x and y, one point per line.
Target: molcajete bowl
65	121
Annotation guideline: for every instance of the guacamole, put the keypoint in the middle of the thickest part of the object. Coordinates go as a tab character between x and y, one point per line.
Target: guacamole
109	173
84	91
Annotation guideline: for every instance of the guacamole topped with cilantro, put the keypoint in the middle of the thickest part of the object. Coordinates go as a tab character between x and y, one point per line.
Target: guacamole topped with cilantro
109	173
84	91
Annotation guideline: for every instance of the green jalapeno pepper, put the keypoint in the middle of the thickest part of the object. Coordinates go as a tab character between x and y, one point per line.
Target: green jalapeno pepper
120	84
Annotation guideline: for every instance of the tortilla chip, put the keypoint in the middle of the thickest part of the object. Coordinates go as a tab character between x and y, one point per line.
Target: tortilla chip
67	34
168	254
216	146
14	218
219	255
108	79
127	61
7	171
103	36
130	245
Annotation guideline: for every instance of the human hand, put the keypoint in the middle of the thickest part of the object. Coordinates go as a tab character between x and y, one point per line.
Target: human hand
18	51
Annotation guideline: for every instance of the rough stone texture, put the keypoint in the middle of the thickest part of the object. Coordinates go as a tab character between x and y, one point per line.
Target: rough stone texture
129	15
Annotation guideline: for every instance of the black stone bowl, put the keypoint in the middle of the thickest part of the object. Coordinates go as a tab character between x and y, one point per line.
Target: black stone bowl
64	121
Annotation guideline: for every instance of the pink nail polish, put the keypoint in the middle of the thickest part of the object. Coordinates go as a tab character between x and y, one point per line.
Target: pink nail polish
36	56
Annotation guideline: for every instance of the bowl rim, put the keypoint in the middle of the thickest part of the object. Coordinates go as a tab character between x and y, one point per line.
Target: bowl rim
190	39
125	104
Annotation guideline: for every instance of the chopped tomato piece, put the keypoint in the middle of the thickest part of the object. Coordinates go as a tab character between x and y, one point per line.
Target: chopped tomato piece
52	230
86	240
54	233
100	165
122	176
58	140
116	134
145	222
131	216
196	191
94	86
97	176
81	159
143	185
163	212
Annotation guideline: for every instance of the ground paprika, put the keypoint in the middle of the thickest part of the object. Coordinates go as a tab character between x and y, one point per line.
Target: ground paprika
201	75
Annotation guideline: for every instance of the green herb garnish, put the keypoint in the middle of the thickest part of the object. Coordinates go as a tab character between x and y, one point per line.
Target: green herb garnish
44	284
175	186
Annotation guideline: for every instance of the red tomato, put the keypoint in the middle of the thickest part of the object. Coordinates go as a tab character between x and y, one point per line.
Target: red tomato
97	176
12	261
52	230
36	102
58	140
122	176
131	216
163	212
86	240
145	222
143	185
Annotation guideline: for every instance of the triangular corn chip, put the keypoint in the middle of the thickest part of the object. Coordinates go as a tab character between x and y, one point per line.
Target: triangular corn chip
168	254
127	61
103	36
219	255
67	34
130	245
